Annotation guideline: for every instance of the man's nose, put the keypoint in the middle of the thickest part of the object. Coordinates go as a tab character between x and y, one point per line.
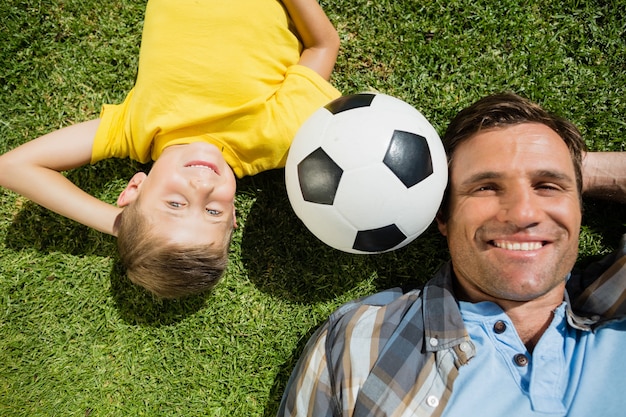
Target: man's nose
520	206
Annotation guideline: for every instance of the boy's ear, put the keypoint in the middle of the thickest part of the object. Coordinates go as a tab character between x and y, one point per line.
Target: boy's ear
234	218
131	192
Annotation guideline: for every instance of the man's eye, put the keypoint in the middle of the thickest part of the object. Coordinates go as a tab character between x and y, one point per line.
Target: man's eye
174	204
485	188
213	212
548	187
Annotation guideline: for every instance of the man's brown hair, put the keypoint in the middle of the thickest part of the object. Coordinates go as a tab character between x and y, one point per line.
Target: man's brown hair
165	269
502	110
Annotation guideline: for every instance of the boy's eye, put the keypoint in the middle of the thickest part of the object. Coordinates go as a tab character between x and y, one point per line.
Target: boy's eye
213	212
174	204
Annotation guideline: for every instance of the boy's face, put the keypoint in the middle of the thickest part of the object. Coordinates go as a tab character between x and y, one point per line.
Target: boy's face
188	196
514	214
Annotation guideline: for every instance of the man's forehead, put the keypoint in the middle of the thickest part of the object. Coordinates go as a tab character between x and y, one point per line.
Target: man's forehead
500	144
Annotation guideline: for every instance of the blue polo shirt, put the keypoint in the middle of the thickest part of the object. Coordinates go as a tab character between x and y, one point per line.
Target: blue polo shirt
570	373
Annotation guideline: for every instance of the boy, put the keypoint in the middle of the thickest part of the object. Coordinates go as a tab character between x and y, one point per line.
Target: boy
221	89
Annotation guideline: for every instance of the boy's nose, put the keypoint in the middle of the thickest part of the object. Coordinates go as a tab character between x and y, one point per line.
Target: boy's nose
201	184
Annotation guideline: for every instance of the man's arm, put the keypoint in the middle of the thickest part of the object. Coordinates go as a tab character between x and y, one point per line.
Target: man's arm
604	175
34	171
318	35
308	390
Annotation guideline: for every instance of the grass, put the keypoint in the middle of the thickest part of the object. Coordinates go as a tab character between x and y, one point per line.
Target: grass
76	339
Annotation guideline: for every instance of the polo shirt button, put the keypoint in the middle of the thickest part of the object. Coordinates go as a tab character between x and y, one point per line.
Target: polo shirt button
520	359
432	401
499	327
433	341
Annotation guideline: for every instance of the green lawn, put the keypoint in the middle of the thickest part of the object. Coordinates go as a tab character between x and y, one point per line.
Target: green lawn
76	339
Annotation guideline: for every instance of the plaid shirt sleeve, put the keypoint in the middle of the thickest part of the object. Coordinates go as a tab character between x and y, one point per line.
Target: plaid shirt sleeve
311	390
599	291
308	391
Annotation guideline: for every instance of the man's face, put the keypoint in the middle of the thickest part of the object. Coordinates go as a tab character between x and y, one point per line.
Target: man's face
514	214
188	197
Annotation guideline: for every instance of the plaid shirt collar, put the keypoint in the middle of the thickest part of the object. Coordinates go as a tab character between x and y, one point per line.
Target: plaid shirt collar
443	324
598	294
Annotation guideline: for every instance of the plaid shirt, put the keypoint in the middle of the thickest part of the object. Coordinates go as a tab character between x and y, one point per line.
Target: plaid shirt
394	354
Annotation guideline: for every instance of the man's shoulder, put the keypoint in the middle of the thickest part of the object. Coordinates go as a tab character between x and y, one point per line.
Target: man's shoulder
429	308
383	309
384	299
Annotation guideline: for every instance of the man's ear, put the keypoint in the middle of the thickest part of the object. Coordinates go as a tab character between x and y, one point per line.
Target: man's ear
442	224
234	218
131	192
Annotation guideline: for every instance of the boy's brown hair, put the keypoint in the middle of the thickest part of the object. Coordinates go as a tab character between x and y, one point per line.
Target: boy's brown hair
165	269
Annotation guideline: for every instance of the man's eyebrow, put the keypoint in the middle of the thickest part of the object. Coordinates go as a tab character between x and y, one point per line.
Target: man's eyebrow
554	175
482	176
542	173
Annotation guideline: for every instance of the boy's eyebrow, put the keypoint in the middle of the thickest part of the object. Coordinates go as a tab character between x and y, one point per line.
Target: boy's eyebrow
170	211
180	214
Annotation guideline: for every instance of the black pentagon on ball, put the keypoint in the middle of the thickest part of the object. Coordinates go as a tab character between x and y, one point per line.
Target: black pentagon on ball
408	157
319	177
349	102
378	240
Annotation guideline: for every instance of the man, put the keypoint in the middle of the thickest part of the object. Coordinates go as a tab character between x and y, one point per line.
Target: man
495	332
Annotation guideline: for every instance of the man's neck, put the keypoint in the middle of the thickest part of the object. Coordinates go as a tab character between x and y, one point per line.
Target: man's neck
530	318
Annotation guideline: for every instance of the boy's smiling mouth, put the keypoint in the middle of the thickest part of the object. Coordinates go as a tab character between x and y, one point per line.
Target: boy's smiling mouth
202	165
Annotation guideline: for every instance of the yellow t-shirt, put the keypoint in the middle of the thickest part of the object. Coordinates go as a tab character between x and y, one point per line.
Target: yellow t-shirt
219	71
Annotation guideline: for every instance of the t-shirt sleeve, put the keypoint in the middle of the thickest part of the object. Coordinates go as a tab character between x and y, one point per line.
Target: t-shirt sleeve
114	137
303	92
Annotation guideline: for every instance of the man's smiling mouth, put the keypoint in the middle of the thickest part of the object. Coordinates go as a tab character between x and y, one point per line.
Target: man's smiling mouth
517	246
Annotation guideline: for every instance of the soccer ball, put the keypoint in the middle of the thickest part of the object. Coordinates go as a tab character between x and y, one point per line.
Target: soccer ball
366	173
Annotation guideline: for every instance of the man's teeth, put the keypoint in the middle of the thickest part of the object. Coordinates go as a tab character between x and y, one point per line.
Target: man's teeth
518	245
